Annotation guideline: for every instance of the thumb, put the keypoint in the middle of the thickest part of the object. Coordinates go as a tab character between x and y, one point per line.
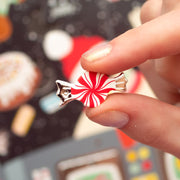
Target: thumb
147	120
154	39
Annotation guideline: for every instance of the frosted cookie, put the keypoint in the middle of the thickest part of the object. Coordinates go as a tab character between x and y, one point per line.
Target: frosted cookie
19	78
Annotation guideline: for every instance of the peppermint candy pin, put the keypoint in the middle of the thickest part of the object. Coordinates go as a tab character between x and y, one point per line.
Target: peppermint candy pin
91	88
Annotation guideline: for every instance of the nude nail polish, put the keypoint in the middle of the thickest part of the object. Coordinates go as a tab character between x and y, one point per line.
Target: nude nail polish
112	118
97	52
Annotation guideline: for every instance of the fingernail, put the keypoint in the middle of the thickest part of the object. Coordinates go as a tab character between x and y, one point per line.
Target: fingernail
97	52
112	118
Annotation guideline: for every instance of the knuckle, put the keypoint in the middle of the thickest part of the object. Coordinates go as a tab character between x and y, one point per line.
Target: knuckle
154	136
150	138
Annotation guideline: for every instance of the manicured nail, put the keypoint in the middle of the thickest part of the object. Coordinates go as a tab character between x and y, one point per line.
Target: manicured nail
97	52
112	118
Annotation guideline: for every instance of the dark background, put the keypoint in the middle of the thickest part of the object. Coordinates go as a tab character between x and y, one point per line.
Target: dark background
91	17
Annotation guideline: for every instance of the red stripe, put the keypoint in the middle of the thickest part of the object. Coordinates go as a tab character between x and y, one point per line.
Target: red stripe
107	90
92	104
77	91
82	81
103	80
92	76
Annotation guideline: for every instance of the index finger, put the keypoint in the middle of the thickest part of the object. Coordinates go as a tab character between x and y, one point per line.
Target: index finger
154	39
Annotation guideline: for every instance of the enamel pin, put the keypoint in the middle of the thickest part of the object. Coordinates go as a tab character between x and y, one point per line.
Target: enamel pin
91	88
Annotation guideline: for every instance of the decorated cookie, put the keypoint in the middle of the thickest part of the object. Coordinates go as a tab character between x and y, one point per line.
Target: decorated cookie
19	78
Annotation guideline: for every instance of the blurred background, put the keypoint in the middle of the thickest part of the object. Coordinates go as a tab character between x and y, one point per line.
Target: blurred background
41	41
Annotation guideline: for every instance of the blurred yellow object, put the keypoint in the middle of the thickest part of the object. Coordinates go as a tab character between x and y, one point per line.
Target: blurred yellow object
23	120
177	161
151	176
143	153
131	156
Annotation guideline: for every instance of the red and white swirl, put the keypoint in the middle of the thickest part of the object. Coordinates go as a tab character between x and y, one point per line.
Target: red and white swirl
92	88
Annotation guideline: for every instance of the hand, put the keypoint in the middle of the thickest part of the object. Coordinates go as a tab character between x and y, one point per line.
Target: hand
155	47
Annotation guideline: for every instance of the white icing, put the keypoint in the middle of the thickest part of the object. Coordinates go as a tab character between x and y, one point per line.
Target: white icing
17	75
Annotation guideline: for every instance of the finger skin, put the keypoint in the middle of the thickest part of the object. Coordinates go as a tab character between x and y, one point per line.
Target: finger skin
163	89
151	40
150	10
150	121
169	69
168	5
